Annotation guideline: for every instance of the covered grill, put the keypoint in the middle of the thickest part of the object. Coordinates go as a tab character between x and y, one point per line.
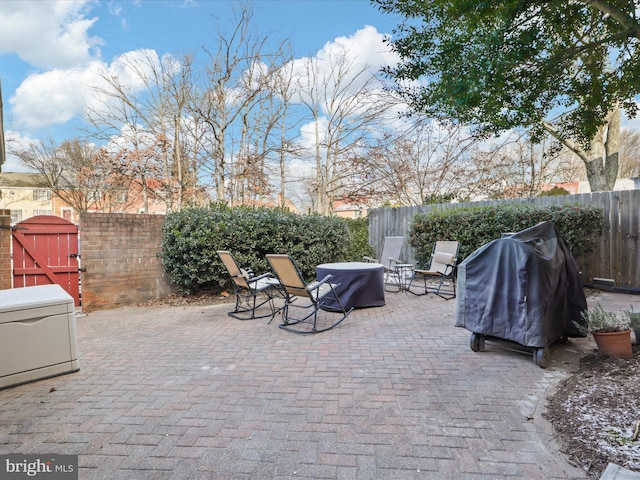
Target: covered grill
524	288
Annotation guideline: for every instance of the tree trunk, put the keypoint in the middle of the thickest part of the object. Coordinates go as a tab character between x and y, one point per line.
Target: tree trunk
594	162
320	184
612	148
282	195
601	160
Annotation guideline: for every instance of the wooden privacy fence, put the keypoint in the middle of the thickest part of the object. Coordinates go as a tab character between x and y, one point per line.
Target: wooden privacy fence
615	257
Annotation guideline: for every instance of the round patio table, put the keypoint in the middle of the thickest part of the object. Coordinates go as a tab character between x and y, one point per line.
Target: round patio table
361	283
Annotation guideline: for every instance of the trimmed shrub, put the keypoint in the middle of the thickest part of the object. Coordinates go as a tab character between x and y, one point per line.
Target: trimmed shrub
474	227
359	245
555	191
192	236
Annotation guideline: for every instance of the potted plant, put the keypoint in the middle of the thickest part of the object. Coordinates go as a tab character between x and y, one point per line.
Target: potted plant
634	322
611	332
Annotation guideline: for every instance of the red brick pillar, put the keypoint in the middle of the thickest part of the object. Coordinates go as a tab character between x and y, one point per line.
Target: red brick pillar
6	271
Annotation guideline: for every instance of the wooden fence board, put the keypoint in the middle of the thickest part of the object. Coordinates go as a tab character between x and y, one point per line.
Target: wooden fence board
634	244
615	256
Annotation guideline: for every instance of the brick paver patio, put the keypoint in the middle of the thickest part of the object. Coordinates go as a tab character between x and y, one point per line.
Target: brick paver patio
392	393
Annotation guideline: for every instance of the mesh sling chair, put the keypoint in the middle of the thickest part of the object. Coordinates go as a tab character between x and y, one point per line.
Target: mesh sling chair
394	269
247	289
442	269
303	301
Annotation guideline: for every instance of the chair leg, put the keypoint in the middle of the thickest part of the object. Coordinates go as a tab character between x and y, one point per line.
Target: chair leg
276	292
312	318
247	303
446	295
414	277
274	310
391	277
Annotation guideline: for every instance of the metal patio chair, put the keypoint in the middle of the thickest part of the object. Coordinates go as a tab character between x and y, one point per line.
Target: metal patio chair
440	276
303	301
248	287
396	272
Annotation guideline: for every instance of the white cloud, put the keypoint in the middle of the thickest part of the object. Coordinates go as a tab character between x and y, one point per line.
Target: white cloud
57	96
14	142
137	69
345	59
366	48
48	34
53	97
60	94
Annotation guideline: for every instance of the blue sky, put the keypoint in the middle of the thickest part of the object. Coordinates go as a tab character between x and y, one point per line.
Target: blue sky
48	47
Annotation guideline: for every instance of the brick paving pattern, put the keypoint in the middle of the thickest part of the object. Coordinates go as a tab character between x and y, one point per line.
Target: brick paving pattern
394	392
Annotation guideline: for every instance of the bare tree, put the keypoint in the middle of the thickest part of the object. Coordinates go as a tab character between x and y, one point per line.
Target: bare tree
629	154
228	106
262	128
423	161
143	168
515	167
155	108
282	87
77	172
182	171
310	94
345	102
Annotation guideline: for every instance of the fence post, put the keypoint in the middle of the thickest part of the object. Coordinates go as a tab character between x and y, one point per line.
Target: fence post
6	270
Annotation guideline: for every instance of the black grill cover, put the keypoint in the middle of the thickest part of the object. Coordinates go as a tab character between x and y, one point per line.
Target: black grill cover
525	288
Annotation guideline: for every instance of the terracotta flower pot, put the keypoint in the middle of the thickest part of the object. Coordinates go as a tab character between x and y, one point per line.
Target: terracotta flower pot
615	344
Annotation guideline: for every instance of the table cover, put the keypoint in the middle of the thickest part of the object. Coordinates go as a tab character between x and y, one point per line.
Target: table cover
361	283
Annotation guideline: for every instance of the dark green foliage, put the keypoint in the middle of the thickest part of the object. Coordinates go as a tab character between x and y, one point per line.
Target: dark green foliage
436	198
192	236
359	246
579	225
509	64
553	192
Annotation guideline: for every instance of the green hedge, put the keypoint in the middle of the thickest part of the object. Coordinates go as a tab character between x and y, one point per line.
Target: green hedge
474	227
192	236
359	245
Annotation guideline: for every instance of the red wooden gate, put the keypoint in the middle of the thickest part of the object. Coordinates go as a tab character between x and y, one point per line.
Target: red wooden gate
45	251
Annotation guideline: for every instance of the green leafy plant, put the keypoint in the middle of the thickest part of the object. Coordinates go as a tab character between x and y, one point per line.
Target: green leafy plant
579	225
599	320
359	245
192	236
633	318
553	192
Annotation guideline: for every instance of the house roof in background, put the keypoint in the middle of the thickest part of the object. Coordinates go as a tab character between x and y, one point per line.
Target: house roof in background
22	179
348	205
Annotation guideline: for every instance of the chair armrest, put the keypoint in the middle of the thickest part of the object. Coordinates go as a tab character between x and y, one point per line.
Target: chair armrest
370	259
395	262
317	284
259	277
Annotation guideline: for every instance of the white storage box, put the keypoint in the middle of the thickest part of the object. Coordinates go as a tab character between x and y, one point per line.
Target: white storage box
37	334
